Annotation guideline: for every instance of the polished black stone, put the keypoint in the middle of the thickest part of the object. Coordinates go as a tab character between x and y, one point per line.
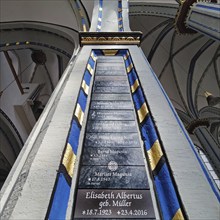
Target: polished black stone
108	66
111	126
113	176
110	72
116	79
110	61
111	105
122	156
117	204
111	89
105	115
113	83
111	140
111	97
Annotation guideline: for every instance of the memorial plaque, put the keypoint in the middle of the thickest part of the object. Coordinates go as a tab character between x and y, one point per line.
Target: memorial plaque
114	83
111	89
111	126
111	78
111	97
117	204
110	72
109	61
115	115
111	105
110	81
113	176
111	140
110	58
103	156
107	66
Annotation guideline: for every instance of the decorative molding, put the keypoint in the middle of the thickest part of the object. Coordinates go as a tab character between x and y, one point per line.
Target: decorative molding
182	14
109	52
197	123
110	38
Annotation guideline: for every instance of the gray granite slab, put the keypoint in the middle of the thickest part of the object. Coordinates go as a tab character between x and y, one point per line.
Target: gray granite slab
122	156
111	140
111	105
111	97
115	115
117	204
111	126
113	177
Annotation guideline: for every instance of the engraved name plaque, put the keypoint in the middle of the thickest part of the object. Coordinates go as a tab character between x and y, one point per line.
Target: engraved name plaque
113	176
122	156
111	140
117	204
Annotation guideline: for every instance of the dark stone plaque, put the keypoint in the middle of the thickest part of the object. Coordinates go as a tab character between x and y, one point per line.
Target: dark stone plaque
107	66
113	176
122	156
115	115
112	89
111	105
109	97
111	126
117	204
110	72
108	61
112	140
115	83
110	81
116	79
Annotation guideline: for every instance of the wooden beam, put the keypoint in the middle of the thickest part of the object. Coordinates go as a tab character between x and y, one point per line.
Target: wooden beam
13	71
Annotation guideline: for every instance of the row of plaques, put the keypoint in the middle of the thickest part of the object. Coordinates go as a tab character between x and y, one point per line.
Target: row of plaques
113	181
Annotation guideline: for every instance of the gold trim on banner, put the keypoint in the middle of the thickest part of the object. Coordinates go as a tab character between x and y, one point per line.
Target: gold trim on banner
79	113
154	154
85	87
109	52
142	112
134	86
178	215
84	28
110	40
69	160
89	68
93	57
126	56
129	68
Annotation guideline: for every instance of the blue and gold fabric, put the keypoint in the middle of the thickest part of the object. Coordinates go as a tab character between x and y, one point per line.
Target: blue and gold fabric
120	18
83	21
164	185
59	200
99	23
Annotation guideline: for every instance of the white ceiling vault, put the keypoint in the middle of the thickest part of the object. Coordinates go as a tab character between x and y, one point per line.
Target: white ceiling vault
186	65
